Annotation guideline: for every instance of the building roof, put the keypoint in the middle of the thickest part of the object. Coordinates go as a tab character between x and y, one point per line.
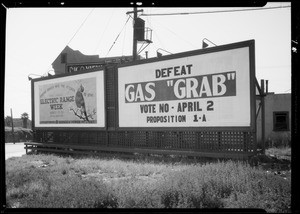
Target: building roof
69	56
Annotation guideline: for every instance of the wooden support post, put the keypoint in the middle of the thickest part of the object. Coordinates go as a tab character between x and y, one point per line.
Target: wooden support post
263	115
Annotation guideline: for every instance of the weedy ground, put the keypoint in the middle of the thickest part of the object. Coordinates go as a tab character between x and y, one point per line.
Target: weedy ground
55	181
281	152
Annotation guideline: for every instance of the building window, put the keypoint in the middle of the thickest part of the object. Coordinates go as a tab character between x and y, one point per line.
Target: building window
63	58
281	121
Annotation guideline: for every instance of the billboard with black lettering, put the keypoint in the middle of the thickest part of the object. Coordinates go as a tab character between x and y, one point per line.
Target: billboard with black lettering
70	101
206	88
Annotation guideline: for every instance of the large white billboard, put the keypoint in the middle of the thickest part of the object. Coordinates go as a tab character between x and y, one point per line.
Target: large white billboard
206	90
70	101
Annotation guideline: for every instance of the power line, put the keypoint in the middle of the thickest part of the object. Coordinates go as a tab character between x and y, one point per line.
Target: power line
118	36
97	46
81	26
176	35
158	39
217	11
123	41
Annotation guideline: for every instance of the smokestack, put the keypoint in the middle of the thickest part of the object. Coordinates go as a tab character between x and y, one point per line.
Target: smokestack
267	86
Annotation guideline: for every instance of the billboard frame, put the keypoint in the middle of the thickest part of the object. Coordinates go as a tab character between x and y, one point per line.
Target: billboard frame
68	128
252	128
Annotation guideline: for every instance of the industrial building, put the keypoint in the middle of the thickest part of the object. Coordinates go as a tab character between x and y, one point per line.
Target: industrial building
277	120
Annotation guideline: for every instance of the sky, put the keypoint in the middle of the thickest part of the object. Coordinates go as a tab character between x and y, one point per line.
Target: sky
36	36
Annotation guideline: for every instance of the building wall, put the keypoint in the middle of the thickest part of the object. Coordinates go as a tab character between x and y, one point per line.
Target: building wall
71	56
274	103
68	56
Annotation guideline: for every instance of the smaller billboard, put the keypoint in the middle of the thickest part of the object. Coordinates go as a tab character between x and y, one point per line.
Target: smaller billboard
70	101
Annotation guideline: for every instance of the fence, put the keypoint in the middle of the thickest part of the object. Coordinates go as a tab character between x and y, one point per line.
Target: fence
206	143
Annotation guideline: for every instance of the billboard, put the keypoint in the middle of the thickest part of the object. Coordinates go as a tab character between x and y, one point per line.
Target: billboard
70	101
205	88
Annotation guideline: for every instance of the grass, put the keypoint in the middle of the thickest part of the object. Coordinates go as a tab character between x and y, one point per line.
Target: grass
52	181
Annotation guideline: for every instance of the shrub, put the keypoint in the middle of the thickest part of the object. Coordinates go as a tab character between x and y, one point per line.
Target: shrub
189	189
268	192
279	139
134	193
283	151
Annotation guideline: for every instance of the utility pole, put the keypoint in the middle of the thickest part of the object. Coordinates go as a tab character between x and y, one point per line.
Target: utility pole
134	50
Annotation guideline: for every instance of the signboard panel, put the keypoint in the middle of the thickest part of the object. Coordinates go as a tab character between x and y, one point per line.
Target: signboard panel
78	67
83	67
205	90
70	101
